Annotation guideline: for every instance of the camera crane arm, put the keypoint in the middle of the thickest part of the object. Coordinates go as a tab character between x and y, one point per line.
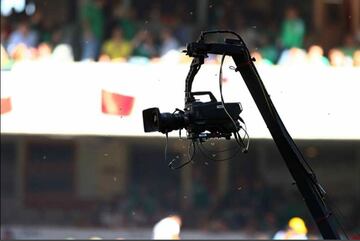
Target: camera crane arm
313	194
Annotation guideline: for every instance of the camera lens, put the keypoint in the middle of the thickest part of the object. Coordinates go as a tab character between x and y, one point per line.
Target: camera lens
156	120
151	119
162	122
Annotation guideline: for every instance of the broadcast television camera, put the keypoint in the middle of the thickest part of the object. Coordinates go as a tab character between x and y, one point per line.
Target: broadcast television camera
202	120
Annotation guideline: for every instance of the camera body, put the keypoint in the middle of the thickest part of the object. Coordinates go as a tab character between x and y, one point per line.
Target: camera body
202	120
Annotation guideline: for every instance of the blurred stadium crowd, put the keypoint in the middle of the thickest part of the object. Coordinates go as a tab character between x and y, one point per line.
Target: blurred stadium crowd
238	209
106	31
152	32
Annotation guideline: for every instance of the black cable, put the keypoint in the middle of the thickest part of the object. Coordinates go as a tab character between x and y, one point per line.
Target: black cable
190	158
166	144
221	95
236	134
240	142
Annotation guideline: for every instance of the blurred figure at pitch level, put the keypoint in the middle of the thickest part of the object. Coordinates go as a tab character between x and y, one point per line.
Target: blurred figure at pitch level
168	228
296	229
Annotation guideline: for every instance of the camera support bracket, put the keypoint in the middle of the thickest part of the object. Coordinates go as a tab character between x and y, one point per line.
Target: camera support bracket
194	68
313	194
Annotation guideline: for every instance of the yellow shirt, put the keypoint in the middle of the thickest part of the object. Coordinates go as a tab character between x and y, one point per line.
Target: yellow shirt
117	50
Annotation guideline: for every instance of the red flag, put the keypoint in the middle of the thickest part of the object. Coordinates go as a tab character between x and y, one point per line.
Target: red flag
116	104
5	105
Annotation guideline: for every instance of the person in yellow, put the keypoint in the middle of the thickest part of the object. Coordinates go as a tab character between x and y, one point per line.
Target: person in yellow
296	229
116	48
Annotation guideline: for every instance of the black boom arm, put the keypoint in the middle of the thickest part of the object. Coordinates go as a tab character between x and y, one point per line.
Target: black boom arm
305	179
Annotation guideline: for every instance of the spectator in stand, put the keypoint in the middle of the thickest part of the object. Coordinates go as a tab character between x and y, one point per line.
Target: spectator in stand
260	60
349	45
292	29
38	24
154	23
63	53
5	60
144	45
22	53
338	59
268	49
125	16
315	56
168	41
23	35
44	52
93	21
116	48
56	36
356	58
292	57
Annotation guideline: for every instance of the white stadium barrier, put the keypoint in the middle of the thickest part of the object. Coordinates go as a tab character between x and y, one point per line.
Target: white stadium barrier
108	98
